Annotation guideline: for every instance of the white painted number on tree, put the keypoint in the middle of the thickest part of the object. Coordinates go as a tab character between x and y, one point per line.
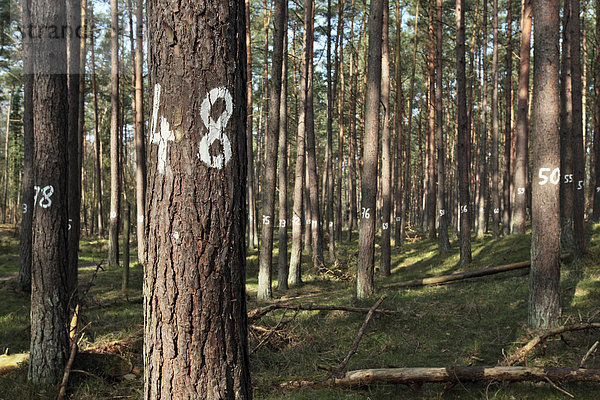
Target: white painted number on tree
463	209
266	219
520	190
47	192
545	176
366	213
386	226
216	129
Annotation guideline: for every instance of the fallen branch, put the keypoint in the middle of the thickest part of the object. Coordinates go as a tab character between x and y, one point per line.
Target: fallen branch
588	354
258	313
522	352
268	335
361	332
366	377
460	276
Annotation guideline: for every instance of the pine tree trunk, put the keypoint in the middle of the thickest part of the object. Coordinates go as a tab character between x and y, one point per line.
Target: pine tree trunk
73	143
295	277
482	178
495	190
431	189
196	205
508	164
386	156
401	162
265	259
442	213
282	261
140	136
352	144
596	202
522	153
49	288
97	140
28	157
366	241
253	229
544	305
6	156
341	102
311	160
463	139
577	133
126	237
115	186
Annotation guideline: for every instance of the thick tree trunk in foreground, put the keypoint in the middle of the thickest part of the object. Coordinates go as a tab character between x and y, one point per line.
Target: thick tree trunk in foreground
195	300
265	258
519	215
366	241
28	149
49	287
115	182
463	139
544	305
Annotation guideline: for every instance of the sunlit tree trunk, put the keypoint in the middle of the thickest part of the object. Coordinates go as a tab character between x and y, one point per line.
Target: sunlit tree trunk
282	261
386	155
115	183
544	305
366	250
508	164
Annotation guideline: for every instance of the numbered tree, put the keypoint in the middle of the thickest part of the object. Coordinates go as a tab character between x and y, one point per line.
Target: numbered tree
463	138
265	258
195	341
282	261
544	307
366	241
386	159
49	288
521	146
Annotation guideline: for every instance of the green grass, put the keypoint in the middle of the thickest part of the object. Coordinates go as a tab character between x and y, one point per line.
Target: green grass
464	323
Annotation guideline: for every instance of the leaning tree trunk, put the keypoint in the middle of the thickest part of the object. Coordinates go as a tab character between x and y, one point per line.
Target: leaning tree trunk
265	258
28	148
519	215
442	213
544	306
366	241
463	139
195	300
49	288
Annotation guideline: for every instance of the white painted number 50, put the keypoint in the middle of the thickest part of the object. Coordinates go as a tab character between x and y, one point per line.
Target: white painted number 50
215	128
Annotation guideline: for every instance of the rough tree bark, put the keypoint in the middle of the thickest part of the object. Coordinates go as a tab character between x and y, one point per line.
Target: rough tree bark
544	307
463	139
195	300
519	215
366	241
265	257
49	288
442	213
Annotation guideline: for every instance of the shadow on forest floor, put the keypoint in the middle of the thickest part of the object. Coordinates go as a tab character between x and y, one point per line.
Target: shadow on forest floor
472	322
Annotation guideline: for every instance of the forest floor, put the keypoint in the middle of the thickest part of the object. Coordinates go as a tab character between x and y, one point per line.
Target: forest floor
473	322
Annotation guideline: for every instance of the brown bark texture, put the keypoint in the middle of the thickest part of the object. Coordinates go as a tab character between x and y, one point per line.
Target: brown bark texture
366	241
544	306
195	302
115	182
49	288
